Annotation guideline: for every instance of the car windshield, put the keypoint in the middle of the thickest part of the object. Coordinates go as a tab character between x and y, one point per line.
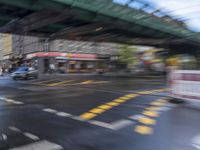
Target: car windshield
22	69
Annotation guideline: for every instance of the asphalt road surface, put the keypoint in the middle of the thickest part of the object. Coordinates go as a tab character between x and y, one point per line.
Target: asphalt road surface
89	112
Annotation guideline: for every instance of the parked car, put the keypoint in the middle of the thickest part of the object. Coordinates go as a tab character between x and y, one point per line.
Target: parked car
24	73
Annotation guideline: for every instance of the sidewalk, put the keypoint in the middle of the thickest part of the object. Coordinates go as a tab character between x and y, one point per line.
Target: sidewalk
69	74
108	74
131	75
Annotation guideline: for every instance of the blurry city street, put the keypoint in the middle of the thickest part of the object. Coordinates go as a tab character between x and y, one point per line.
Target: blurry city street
95	112
99	75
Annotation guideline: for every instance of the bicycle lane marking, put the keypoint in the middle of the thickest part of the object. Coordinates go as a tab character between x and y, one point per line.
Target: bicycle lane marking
94	112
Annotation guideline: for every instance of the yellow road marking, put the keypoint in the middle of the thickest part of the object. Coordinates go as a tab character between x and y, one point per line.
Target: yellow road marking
143	130
156	90
113	104
125	98
88	116
59	83
151	113
160	90
162	100
146	120
81	83
44	81
101	82
105	107
145	92
131	95
119	100
102	108
157	103
97	110
87	82
152	108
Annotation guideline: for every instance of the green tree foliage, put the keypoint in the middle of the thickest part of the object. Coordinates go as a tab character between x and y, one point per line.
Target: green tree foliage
127	55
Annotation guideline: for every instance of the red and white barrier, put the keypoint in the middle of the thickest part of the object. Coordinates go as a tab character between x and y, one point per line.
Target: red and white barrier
185	84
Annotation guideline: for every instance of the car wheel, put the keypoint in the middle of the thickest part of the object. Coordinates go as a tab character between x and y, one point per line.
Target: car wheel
26	77
14	78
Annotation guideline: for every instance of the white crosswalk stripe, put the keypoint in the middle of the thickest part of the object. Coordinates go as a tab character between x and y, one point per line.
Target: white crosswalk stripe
41	145
31	136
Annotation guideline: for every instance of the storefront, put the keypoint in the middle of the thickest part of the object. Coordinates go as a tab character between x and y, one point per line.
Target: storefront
82	62
64	62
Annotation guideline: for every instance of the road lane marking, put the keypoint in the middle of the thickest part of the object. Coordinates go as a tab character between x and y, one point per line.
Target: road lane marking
157	103
136	117
98	82
104	107
59	83
152	108
14	129
97	110
88	116
119	100
150	113
113	103
160	90
63	114
31	136
50	110
41	145
107	106
161	100
143	130
87	82
78	118
9	100
147	121
121	124
40	82
18	102
84	83
131	95
101	124
13	101
84	118
145	92
124	98
27	134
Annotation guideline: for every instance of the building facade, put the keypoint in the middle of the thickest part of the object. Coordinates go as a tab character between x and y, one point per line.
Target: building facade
63	55
5	50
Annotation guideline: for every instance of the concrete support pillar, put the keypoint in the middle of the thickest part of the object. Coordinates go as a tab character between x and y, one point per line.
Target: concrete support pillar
41	66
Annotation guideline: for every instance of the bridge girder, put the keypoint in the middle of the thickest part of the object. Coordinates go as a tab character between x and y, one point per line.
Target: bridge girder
80	19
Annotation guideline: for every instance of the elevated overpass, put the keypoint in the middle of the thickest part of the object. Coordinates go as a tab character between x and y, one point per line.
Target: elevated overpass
94	20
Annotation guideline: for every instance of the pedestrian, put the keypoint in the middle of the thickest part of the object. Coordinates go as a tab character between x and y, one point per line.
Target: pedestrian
1	71
52	68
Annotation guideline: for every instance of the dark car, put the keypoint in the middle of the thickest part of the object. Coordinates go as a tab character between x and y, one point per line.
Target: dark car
24	73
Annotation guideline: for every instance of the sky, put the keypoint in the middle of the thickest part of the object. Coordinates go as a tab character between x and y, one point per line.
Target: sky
188	10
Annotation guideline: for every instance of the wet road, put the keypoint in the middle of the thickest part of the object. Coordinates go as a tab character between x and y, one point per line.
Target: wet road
94	113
